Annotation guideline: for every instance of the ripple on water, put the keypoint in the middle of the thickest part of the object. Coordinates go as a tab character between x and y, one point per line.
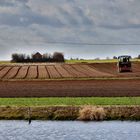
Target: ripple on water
69	130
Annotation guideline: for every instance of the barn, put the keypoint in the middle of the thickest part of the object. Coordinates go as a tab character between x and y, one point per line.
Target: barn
37	56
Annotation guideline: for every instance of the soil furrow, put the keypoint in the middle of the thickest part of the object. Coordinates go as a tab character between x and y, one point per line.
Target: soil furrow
52	72
22	72
42	73
62	71
12	73
4	72
32	72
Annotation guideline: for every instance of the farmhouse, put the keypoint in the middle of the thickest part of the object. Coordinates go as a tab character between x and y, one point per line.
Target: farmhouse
37	56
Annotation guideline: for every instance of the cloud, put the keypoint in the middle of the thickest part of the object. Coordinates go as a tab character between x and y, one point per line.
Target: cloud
36	22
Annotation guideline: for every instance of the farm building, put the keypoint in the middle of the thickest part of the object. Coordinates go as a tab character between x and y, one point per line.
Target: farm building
37	56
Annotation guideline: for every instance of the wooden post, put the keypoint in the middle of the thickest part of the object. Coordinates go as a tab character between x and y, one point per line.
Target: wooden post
29	115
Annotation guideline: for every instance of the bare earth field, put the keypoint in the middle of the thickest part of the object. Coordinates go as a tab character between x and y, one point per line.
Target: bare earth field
74	88
62	71
41	80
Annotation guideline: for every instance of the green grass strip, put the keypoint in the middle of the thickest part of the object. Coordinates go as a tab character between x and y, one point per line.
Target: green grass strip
70	101
98	61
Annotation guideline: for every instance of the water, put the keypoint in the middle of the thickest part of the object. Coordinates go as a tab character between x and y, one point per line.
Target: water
69	130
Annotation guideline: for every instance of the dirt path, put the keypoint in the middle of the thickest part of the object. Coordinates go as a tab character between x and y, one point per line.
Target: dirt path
70	88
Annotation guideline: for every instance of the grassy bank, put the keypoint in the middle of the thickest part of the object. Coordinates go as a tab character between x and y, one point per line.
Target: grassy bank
90	108
69	101
71	113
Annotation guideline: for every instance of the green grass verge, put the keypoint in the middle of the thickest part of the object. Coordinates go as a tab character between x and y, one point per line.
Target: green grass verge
5	62
70	101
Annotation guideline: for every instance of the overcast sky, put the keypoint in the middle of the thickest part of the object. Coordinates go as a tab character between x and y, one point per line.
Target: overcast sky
26	26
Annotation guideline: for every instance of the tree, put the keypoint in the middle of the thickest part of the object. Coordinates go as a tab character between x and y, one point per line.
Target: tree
18	57
21	57
14	57
58	57
45	57
28	58
115	57
37	57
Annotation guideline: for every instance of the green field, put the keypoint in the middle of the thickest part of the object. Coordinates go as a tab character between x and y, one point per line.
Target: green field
98	61
69	101
91	61
5	62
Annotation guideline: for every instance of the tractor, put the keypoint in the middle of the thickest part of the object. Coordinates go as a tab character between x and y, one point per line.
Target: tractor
124	63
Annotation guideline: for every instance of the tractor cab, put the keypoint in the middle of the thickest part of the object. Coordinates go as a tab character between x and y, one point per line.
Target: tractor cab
124	64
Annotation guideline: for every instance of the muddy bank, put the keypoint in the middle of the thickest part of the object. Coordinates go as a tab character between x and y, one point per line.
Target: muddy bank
67	113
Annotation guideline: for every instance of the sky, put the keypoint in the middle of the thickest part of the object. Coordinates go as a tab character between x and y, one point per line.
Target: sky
70	26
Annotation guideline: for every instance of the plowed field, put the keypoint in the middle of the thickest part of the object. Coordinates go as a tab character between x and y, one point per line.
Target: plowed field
27	87
74	88
61	71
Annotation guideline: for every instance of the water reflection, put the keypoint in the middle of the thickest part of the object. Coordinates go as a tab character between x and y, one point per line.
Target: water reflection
69	130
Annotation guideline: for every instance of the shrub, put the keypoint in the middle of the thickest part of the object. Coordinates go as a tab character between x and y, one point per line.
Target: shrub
115	57
18	57
58	57
89	113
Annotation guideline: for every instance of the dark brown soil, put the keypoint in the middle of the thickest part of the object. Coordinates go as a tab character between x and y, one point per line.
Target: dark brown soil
101	88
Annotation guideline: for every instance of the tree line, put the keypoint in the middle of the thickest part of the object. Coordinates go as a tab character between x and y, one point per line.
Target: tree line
37	57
